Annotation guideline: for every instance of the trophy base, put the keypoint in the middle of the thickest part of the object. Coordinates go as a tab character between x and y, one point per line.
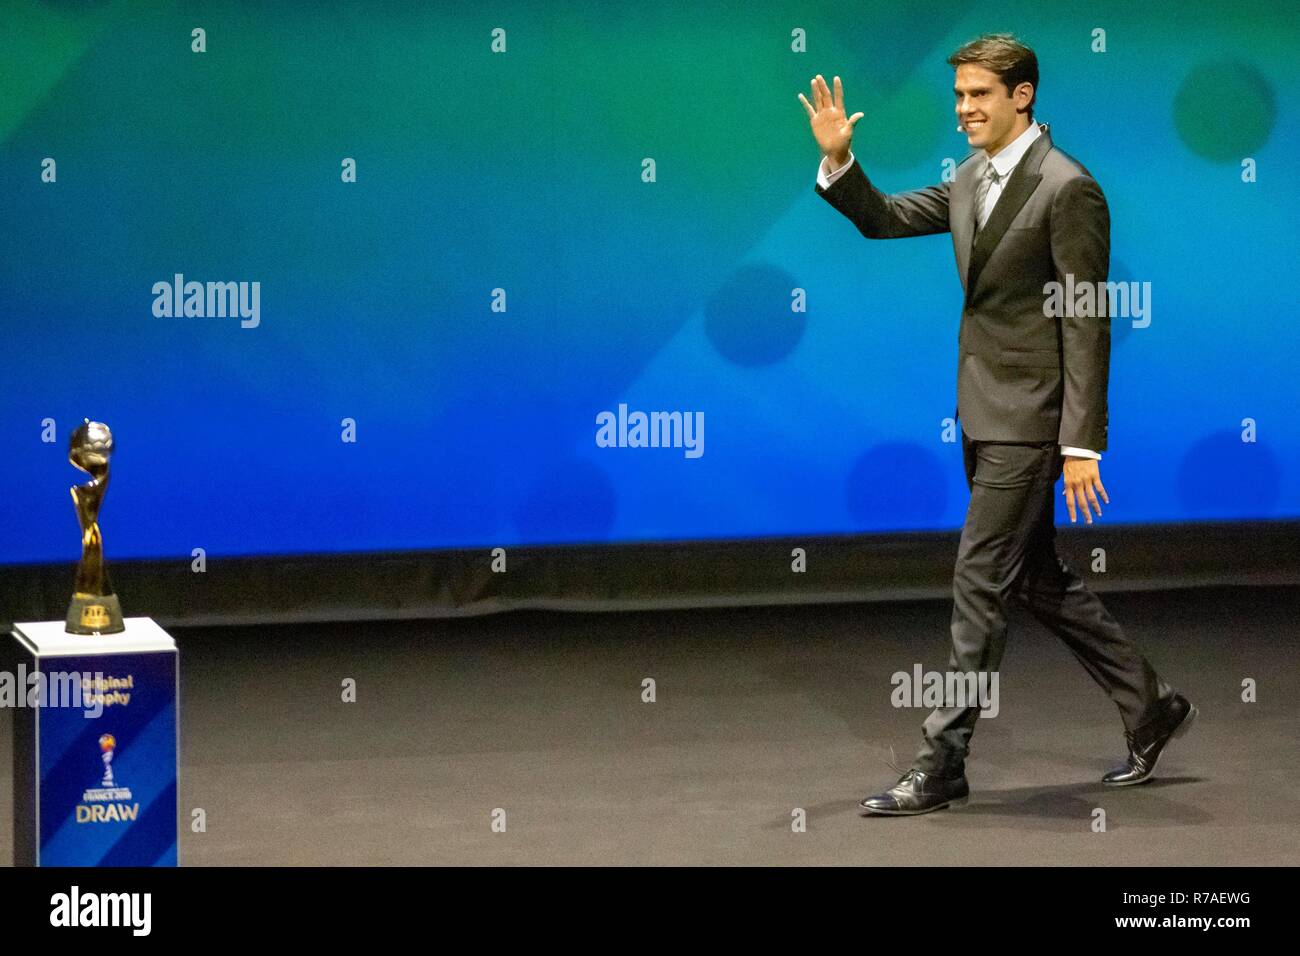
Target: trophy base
94	614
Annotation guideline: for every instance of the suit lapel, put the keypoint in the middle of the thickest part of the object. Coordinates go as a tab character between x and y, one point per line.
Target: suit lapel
962	221
1024	180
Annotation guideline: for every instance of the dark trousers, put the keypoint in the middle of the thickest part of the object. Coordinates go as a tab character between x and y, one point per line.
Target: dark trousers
1008	551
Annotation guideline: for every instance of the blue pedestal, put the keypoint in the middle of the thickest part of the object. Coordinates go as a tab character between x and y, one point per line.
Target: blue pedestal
95	746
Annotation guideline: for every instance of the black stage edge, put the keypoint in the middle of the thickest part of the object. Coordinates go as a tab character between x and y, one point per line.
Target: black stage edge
643	576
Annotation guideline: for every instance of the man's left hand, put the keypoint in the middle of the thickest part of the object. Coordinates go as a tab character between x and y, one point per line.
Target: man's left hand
1082	476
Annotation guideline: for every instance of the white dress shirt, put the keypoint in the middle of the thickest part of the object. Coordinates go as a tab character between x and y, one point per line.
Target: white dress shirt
1004	161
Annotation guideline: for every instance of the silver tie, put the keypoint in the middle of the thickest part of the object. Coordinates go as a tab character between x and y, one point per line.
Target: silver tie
981	195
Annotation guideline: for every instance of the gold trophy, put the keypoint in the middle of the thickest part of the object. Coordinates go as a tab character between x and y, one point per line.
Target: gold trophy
94	608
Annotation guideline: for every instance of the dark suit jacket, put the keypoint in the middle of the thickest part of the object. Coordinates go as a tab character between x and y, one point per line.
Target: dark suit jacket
1022	376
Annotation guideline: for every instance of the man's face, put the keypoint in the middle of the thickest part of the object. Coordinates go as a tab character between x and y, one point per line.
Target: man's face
985	111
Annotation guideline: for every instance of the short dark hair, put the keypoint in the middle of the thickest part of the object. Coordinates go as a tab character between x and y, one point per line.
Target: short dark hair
1011	60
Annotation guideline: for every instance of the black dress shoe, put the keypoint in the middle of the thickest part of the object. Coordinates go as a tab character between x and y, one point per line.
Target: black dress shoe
918	792
1146	744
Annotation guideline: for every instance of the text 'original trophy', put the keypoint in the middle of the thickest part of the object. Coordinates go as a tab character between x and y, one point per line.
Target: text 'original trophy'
94	608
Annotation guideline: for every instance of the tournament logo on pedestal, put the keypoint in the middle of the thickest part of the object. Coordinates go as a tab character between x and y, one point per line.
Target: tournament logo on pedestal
107	803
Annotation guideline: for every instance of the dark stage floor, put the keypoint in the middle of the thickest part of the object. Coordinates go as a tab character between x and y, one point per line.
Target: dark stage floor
758	712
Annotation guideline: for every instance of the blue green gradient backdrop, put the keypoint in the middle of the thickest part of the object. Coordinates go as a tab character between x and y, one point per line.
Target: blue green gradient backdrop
522	171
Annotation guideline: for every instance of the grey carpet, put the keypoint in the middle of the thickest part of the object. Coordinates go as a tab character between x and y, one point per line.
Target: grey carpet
758	712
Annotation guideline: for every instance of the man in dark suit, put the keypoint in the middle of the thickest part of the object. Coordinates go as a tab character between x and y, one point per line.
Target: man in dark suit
1031	397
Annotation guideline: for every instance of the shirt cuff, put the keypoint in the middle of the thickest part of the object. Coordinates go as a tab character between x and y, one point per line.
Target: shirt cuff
1079	452
825	177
